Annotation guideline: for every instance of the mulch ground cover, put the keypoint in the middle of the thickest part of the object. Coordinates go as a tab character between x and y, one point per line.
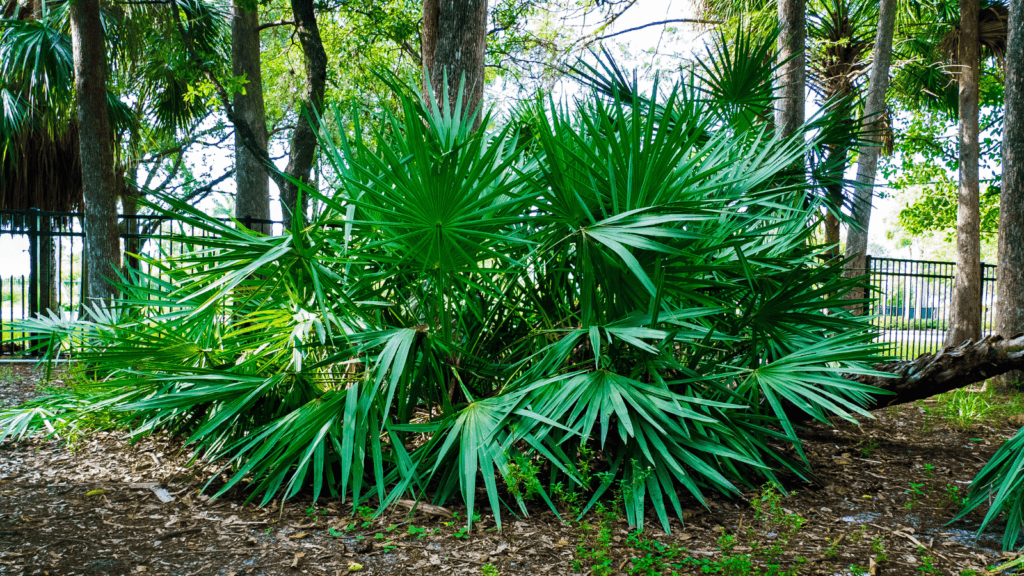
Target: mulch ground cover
884	490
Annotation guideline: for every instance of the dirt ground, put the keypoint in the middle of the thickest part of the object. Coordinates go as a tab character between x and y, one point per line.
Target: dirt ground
108	507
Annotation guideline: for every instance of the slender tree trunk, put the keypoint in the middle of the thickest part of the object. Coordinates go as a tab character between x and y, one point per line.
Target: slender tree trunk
789	108
453	41
837	159
965	313
303	145
867	165
252	184
1010	295
103	252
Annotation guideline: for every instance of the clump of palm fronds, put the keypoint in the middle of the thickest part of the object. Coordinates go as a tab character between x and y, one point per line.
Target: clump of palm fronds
635	282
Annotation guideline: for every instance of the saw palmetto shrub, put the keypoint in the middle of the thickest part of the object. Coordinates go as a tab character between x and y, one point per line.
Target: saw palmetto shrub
627	285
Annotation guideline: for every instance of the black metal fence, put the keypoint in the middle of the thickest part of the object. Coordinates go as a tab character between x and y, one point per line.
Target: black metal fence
41	260
912	300
41	269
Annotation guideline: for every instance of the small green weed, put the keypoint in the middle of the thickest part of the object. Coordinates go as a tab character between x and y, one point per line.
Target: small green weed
417	532
952	497
521	478
834	545
463	533
915	493
867	448
926	566
488	570
596	556
878	547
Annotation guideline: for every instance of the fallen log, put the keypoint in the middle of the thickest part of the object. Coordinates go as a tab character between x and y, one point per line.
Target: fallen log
948	369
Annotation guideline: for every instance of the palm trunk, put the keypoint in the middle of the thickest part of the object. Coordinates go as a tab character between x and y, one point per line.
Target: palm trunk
453	41
252	184
303	145
789	111
946	370
867	166
103	252
965	313
1010	296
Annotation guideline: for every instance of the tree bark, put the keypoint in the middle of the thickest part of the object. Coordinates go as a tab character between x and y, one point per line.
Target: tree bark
837	158
948	369
789	107
1010	288
452	42
304	139
103	251
965	313
252	184
867	165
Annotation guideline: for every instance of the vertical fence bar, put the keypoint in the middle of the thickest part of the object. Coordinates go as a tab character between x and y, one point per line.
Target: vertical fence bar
867	289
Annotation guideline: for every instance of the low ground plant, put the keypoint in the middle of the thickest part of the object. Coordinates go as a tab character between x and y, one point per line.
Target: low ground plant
615	296
963	408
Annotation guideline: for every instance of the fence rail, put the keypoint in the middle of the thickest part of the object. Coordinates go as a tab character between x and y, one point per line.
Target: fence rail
910	298
43	255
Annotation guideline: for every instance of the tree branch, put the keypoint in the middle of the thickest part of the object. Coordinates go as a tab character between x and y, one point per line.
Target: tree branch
278	23
242	127
673	21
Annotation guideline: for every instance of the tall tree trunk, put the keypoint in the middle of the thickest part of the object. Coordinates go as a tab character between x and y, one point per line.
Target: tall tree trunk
965	313
303	145
1010	294
453	41
789	108
867	165
252	184
103	252
837	161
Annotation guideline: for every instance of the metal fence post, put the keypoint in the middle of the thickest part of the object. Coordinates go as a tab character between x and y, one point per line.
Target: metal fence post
981	298
33	269
867	288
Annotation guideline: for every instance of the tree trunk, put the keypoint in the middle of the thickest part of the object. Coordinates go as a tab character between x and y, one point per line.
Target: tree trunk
1010	295
303	145
965	313
867	165
948	369
789	108
103	252
452	42
837	160
252	184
